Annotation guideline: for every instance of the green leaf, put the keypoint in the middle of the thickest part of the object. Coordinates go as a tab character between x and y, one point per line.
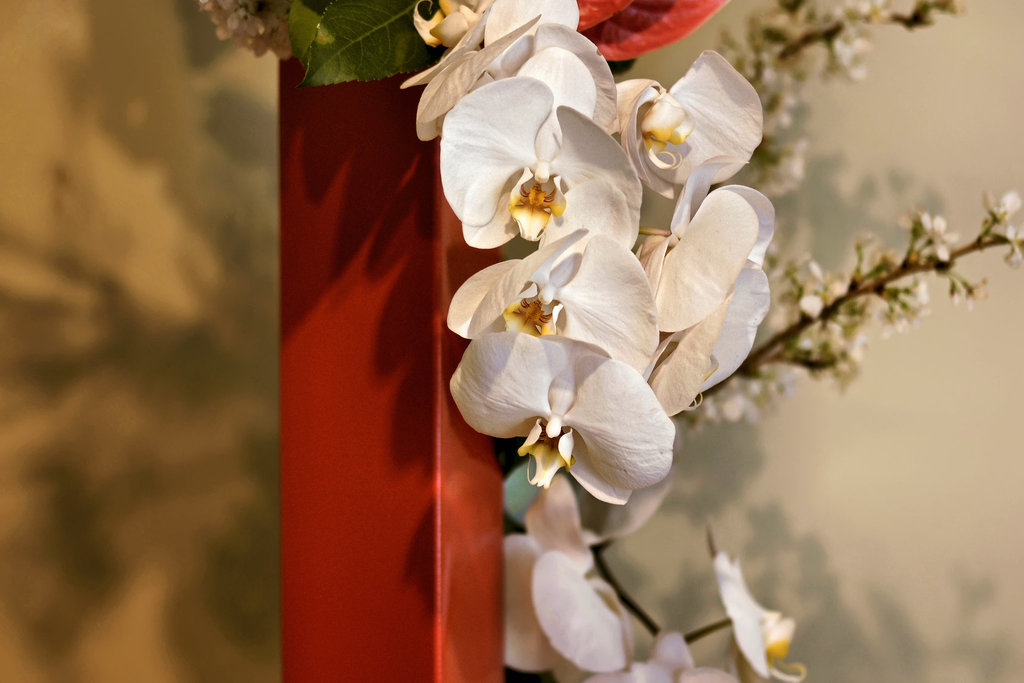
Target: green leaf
358	40
303	20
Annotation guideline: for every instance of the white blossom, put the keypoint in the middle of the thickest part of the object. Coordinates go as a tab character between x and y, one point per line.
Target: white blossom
510	166
710	112
579	409
556	608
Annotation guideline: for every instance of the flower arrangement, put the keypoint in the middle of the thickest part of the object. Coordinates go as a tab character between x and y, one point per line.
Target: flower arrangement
585	350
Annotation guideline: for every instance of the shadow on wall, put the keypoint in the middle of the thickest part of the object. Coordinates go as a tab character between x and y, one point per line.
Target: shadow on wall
140	383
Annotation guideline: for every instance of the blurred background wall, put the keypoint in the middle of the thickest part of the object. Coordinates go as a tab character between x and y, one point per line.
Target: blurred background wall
885	518
138	364
138	409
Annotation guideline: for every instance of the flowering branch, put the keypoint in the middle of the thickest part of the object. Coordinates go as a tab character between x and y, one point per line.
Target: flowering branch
844	303
774	57
921	15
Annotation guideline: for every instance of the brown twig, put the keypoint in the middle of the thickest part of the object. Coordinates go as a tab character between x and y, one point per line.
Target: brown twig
773	350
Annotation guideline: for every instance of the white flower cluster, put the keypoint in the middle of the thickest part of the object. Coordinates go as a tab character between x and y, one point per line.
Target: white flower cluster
257	25
998	220
585	347
562	616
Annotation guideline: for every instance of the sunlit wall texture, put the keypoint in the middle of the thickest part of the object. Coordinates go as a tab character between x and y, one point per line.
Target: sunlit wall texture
138	363
138	398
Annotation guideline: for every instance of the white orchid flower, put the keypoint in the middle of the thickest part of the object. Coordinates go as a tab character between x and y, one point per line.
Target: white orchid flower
450	23
670	662
762	636
559	56
556	609
579	409
527	40
590	289
510	166
709	294
710	112
504	17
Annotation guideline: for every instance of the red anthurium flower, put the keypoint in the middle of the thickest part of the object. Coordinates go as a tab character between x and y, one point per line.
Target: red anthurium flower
646	25
595	11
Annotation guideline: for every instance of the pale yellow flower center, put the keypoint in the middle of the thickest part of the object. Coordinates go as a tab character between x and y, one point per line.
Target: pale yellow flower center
533	204
666	122
529	316
549	453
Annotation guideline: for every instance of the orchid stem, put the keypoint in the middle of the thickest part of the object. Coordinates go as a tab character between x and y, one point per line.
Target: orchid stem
698	633
630	604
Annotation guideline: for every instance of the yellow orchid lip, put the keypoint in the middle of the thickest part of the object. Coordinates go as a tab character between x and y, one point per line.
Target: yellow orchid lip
529	316
548	453
533	204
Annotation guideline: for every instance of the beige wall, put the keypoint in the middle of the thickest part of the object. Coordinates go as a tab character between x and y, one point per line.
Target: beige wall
137	379
138	447
885	518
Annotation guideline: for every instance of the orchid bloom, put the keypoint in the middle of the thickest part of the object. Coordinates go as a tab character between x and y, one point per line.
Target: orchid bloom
762	636
522	39
557	612
513	162
670	662
710	112
563	59
590	289
709	306
579	409
497	18
450	23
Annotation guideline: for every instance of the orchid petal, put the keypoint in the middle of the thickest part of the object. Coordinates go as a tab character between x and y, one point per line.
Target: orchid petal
609	273
651	255
501	385
592	482
578	622
567	76
678	377
470	41
467	299
700	271
604	113
598	207
631	96
727	115
670	650
505	15
744	611
765	222
627	434
491	304
489	138
554	522
638	673
463	72
587	153
602	521
749	306
527	648
696	190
